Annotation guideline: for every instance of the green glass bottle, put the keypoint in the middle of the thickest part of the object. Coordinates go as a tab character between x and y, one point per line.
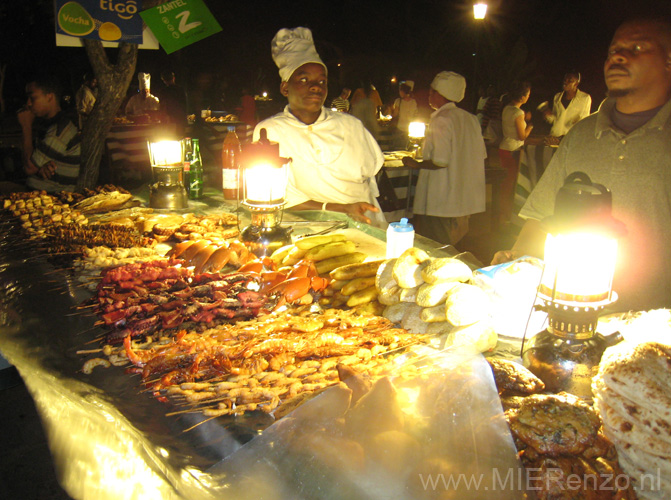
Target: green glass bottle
196	173
186	165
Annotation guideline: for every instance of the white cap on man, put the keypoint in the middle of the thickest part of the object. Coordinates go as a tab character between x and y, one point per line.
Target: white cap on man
451	85
291	49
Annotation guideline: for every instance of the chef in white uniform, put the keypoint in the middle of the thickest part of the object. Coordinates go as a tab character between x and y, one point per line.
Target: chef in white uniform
334	158
451	183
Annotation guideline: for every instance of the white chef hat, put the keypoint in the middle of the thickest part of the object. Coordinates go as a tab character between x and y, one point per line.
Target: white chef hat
144	80
450	85
409	83
291	48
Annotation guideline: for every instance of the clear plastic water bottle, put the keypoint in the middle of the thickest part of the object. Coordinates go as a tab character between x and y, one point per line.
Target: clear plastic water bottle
400	237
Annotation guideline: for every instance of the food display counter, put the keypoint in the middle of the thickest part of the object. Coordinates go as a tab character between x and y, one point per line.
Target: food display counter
431	426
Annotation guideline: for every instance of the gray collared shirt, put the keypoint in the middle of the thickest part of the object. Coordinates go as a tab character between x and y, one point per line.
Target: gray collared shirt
636	167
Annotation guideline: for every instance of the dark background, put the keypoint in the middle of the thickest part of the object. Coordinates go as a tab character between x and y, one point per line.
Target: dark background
537	40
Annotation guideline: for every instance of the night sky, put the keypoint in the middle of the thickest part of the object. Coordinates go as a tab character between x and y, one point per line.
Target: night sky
536	40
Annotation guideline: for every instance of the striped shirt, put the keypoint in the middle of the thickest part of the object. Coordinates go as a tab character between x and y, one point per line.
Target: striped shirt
340	104
60	144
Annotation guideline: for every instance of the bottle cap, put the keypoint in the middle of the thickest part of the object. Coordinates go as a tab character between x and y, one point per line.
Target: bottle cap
403	226
231	128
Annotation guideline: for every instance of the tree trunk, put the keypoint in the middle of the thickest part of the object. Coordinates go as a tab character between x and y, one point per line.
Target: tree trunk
113	81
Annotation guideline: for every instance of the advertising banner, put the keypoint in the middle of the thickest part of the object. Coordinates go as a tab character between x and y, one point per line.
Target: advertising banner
106	20
179	23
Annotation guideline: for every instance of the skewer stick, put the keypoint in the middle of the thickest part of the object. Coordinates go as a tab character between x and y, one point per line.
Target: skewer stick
89	351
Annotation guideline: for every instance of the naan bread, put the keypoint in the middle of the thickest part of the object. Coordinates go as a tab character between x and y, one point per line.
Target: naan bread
632	393
633	412
631	432
642	375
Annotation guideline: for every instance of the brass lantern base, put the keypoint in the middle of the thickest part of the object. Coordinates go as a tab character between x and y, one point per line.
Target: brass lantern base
566	355
263	241
567	364
168	191
265	235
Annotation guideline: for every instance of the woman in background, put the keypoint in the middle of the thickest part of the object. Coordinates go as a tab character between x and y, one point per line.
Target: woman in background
516	128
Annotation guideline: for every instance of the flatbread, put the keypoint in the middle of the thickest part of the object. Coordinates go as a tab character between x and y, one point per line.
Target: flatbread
633	433
637	414
642	376
648	484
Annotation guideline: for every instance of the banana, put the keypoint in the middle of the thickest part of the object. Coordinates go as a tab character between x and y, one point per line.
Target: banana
321	239
362	296
278	255
329	250
328	265
338	284
362	270
294	256
358	284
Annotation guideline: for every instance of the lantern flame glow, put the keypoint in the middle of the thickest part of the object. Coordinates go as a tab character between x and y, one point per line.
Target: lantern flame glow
265	183
479	10
579	267
165	153
416	130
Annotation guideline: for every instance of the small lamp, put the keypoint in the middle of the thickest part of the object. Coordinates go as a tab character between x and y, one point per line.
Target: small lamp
168	190
264	175
416	132
580	256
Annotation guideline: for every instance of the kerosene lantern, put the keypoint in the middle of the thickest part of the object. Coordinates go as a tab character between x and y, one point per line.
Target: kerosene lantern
416	132
168	190
264	175
580	257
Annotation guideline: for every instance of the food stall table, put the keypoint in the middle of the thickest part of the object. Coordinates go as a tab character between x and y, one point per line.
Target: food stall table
109	438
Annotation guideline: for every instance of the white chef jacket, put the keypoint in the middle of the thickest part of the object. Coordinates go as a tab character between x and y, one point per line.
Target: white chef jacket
563	118
333	160
453	140
138	105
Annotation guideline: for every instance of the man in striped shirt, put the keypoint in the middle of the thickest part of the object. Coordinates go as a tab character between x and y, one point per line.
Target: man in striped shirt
51	140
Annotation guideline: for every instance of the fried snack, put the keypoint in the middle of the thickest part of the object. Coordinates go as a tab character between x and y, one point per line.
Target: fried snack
512	378
555	425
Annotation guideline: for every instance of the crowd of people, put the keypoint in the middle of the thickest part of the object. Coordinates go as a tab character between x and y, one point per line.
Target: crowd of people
624	145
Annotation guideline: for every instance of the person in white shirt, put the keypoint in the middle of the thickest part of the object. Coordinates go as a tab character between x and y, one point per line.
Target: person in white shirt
568	106
405	107
451	183
334	158
144	101
86	97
